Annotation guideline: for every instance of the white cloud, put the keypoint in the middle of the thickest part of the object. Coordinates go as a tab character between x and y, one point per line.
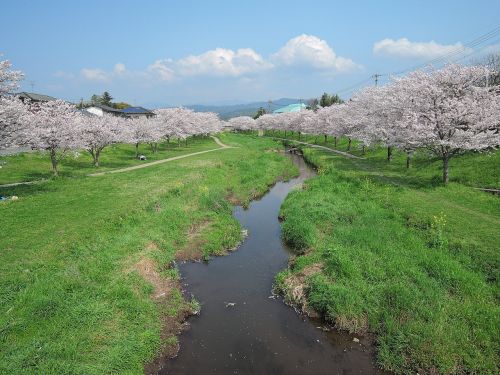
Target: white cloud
425	50
222	62
97	75
119	69
216	62
307	50
313	51
162	69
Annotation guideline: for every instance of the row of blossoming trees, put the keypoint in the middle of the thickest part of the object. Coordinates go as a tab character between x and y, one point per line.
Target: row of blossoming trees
57	126
447	111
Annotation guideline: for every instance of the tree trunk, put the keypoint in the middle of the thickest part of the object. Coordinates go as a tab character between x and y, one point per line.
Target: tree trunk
349	144
363	150
137	150
53	160
446	178
389	153
334	142
326	138
299	136
96	158
408	160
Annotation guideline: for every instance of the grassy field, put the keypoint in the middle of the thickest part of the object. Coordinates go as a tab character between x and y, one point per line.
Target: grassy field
86	273
36	165
393	252
477	170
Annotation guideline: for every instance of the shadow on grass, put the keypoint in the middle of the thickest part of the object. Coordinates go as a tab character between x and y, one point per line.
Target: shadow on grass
28	190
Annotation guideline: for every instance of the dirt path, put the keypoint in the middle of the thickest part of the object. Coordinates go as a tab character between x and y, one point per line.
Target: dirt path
346	154
145	165
23	183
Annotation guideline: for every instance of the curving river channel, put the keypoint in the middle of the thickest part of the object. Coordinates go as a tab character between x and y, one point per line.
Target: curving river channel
258	334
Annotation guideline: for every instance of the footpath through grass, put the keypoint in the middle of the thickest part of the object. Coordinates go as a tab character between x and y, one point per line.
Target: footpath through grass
395	253
473	169
87	282
30	166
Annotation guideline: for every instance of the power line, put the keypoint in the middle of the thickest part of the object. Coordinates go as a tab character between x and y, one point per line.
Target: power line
450	56
454	53
350	88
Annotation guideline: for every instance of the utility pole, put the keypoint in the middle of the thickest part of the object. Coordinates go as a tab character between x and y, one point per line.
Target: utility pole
32	84
376	76
269	103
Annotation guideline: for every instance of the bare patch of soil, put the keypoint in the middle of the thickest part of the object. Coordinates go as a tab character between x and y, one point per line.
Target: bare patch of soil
295	293
162	286
193	250
172	324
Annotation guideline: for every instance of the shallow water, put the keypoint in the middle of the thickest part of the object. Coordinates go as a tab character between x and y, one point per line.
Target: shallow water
259	334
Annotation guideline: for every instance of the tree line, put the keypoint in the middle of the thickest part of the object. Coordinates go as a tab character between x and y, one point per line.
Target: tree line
58	126
447	111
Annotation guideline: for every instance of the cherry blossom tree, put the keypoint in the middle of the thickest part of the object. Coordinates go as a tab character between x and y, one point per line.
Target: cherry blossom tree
137	131
243	123
155	130
449	112
336	120
182	123
12	111
179	122
8	78
166	119
98	132
269	122
14	117
206	123
373	114
53	126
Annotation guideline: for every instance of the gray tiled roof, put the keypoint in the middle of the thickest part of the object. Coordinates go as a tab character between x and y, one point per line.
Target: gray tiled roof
36	97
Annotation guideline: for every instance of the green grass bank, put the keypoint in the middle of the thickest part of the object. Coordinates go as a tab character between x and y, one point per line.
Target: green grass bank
87	277
392	252
30	166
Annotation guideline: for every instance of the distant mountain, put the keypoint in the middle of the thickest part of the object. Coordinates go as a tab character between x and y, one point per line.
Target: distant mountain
248	109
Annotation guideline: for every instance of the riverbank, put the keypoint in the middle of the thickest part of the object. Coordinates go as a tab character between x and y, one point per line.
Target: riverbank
243	327
416	264
87	272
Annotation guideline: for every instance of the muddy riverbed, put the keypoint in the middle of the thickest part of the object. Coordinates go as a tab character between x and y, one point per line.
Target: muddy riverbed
242	328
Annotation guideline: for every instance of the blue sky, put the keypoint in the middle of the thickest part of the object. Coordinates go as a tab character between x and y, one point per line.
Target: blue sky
158	53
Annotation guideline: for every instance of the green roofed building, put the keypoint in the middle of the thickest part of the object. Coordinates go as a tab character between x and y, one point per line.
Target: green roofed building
296	107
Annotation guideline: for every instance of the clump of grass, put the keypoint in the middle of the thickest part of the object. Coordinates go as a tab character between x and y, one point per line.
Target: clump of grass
298	233
195	306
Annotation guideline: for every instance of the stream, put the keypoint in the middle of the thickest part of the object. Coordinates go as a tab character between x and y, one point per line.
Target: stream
259	334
